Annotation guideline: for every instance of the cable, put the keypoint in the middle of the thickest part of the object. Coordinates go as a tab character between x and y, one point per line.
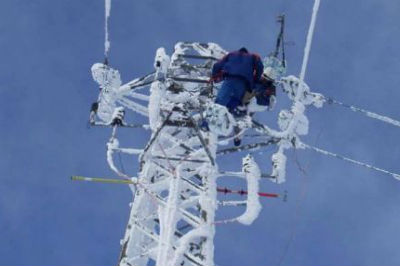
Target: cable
395	175
120	162
367	113
107	8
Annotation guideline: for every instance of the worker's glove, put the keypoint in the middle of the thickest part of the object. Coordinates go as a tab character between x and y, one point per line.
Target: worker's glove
218	77
271	90
272	102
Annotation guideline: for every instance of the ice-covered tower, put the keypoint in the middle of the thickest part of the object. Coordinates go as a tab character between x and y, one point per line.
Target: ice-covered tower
171	221
172	215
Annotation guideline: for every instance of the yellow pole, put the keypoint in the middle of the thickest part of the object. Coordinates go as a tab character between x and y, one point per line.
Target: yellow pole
101	180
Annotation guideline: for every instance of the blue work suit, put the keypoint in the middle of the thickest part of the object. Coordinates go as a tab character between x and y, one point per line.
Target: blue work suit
239	70
231	93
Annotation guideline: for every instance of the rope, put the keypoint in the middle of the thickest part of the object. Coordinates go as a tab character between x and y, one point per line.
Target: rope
300	201
120	162
172	168
297	214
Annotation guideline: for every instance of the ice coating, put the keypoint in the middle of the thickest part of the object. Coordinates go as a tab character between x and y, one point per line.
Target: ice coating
279	166
157	89
220	121
252	174
290	86
109	81
107	77
107	9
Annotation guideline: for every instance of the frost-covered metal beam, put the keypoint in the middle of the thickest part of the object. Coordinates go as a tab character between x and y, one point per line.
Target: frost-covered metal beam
169	163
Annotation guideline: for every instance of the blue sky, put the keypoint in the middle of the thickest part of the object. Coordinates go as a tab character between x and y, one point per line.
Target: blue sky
348	216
